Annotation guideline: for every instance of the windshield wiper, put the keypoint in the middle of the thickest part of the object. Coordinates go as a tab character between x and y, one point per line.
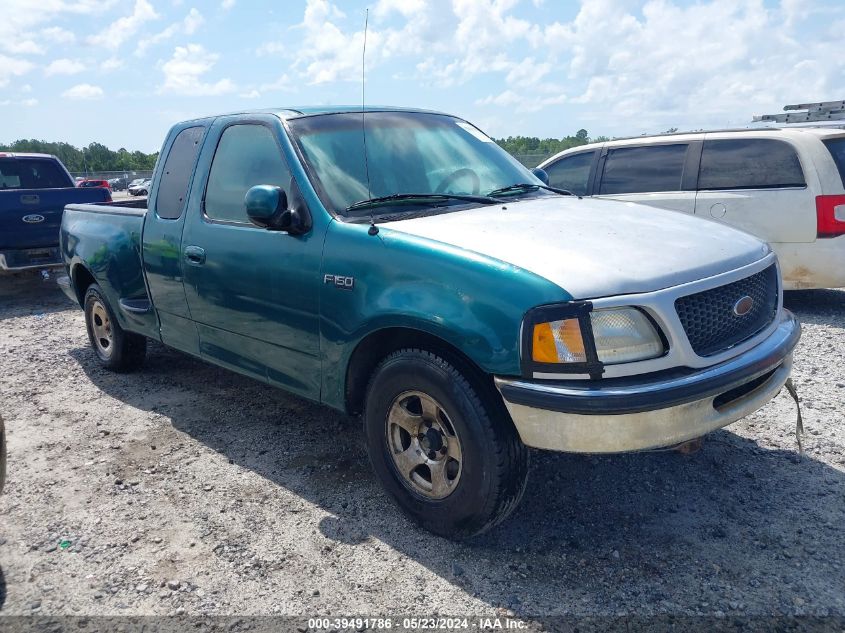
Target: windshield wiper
422	197
527	186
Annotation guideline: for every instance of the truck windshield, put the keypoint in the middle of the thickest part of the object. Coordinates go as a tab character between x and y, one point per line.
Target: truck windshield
406	153
32	173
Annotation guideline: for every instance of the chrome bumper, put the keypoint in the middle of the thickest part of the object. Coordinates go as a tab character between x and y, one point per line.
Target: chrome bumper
30	259
629	414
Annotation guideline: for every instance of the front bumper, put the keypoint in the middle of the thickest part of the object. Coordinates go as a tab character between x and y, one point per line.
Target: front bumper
30	258
665	409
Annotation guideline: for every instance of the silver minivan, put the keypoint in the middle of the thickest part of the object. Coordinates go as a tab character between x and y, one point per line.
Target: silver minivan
784	185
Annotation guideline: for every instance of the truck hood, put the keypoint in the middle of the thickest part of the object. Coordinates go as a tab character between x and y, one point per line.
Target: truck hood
594	248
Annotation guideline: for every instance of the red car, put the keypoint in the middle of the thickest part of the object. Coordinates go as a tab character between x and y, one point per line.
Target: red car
94	183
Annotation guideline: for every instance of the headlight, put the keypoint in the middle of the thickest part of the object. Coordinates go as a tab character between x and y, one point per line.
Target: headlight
619	335
624	335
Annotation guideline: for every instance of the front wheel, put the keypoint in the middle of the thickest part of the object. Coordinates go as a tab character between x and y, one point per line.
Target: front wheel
449	456
116	349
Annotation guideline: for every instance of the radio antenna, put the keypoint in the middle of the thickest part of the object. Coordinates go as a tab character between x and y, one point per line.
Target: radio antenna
363	101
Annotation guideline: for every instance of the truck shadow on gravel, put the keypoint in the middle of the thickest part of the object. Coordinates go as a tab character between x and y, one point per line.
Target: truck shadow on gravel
27	294
735	527
819	307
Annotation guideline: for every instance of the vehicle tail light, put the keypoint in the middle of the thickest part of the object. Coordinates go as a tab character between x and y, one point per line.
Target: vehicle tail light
830	216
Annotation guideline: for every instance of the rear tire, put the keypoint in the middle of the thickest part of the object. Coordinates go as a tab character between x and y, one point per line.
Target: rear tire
115	348
448	455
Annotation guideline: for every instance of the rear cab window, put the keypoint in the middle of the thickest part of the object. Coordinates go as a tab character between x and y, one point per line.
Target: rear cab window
176	174
572	172
644	169
749	164
32	173
836	147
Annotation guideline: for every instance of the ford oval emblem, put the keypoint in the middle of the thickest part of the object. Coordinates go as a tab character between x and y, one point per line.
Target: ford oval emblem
33	218
743	306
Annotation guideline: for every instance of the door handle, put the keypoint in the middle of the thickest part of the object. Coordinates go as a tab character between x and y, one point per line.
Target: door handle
195	255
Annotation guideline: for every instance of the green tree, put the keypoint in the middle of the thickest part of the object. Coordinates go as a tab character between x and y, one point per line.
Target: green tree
94	157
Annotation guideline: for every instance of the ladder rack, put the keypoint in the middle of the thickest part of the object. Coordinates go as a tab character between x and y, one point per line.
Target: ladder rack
821	111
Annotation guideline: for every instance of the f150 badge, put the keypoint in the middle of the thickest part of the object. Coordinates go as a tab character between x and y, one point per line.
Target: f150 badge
339	281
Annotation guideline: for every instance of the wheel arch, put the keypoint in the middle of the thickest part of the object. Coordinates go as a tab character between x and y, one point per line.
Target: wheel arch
380	343
81	278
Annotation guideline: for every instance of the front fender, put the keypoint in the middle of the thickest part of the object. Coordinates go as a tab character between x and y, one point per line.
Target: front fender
473	302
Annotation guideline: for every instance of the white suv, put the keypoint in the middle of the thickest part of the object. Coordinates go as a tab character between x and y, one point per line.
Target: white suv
785	185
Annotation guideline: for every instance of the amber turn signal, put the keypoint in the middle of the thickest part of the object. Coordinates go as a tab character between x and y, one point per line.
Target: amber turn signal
558	342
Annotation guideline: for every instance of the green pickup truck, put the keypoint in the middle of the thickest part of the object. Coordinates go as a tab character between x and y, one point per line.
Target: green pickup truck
398	264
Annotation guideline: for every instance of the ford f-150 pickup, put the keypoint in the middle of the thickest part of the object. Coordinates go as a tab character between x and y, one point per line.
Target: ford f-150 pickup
34	189
399	264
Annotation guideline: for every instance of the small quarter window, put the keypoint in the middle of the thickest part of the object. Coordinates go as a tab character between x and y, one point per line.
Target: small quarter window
749	164
572	172
246	156
176	174
836	147
644	169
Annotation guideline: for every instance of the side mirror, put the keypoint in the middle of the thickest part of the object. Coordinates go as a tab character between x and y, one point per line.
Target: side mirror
541	174
267	207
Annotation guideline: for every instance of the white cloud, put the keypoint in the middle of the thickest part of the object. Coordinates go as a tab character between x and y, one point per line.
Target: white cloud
193	21
83	92
250	94
64	67
662	64
407	8
112	63
327	53
23	47
282	84
112	36
188	26
21	19
58	35
449	43
184	71
28	103
13	67
227	4
522	102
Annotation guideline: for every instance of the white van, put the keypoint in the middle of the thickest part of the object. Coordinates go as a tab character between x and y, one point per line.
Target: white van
785	185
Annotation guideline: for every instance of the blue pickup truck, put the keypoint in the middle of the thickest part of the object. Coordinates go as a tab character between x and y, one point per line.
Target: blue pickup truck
398	264
34	189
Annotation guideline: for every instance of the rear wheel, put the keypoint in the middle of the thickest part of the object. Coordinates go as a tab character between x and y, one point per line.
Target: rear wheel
115	348
452	460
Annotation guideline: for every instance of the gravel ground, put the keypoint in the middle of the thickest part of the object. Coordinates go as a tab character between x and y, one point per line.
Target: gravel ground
183	488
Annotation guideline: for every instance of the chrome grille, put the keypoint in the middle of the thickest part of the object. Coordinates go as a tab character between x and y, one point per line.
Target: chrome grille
710	322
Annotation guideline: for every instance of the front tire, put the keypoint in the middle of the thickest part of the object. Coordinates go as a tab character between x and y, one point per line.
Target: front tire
115	348
441	446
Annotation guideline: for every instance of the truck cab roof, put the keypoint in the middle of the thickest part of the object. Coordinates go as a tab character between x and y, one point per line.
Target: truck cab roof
26	155
295	112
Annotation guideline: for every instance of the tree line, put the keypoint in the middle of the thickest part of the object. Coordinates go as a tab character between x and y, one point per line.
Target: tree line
519	145
95	157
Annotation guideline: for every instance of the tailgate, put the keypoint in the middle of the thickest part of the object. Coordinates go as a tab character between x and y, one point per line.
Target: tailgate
30	218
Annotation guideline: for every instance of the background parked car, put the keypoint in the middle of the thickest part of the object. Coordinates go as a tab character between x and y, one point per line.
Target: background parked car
785	185
94	183
118	184
141	188
34	189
